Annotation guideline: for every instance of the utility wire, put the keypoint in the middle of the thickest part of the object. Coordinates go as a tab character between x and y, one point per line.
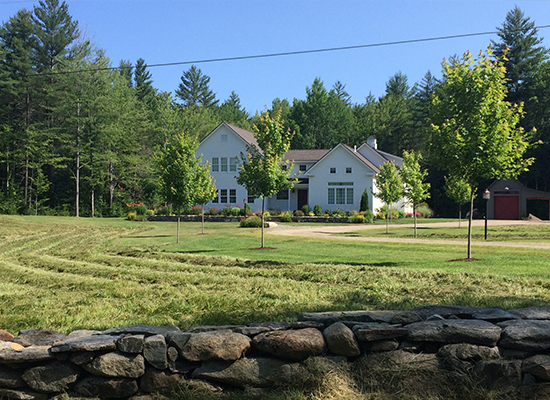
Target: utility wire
289	53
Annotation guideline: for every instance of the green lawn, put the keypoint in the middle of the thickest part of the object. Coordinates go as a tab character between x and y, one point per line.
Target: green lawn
68	273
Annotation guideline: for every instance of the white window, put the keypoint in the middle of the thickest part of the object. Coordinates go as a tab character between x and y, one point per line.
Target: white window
349	196
282	195
330	196
250	199
216	199
340	195
223	195
215	164
332	170
233	161
232	195
348	170
303	167
224	164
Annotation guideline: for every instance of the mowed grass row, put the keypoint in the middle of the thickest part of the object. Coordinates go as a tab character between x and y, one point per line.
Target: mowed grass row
67	273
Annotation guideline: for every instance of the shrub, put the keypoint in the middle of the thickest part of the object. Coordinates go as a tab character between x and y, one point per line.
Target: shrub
317	210
357	219
166	210
227	211
425	210
364	206
236	211
248	209
383	211
140	210
401	214
131	216
369	216
337	213
286	216
251	222
328	212
299	213
306	209
212	211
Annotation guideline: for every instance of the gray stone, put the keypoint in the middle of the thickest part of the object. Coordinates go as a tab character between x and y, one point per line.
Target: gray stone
437	317
81	358
537	312
5	336
13	353
142	330
10	379
330	317
159	381
183	366
469	352
405	318
131	344
411	347
525	335
211	328
538	366
55	377
21	395
494	315
94	386
378	331
293	345
272	326
455	331
178	340
341	340
227	346
38	337
154	351
252	330
307	324
499	374
117	365
82	333
172	354
446	311
380	345
255	372
86	343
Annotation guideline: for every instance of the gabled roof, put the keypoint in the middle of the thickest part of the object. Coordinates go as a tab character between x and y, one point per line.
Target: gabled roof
306	155
356	154
246	136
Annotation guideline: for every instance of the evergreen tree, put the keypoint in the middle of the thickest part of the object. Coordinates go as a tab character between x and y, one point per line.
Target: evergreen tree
194	90
231	112
143	81
520	52
125	68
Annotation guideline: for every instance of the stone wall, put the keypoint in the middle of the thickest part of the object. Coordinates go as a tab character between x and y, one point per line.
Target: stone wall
506	350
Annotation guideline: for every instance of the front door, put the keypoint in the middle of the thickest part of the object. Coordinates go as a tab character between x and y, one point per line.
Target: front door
302	198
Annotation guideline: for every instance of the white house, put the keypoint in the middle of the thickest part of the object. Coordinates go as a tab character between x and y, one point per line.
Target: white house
334	178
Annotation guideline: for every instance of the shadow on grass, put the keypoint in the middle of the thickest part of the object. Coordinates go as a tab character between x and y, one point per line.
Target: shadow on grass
144	236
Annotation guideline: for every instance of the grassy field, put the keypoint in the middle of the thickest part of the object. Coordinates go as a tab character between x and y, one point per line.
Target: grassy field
68	273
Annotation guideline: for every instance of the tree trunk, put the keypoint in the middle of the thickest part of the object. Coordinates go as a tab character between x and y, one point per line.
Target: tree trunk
263	221
459	216
28	199
93	202
111	185
470	224
387	216
414	215
77	189
178	230
203	219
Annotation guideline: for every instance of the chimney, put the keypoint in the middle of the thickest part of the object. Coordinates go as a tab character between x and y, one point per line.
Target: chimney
371	141
355	149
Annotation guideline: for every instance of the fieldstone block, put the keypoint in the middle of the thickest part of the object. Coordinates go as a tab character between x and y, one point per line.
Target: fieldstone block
95	386
469	352
116	365
38	337
292	345
341	340
10	378
330	317
154	351
378	331
538	366
178	340
537	312
494	315
525	335
446	311
5	336
21	394
499	374
80	358
13	353
405	318
158	381
86	343
455	331
227	346
55	377
131	344
142	329
380	345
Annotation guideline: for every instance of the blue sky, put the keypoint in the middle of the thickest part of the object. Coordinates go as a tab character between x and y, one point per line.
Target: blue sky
164	31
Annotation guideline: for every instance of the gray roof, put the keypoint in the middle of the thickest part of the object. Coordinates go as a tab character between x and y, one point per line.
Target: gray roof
247	136
306	155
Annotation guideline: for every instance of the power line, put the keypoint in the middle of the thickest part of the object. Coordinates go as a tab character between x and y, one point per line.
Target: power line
290	53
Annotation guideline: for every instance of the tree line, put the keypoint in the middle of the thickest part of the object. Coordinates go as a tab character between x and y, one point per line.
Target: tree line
77	136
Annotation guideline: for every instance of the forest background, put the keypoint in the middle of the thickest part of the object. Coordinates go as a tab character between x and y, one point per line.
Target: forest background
78	133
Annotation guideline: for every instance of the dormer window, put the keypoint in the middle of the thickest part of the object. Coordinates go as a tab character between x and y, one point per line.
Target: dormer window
303	167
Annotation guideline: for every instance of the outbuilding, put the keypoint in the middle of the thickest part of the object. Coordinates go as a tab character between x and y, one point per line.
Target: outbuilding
510	199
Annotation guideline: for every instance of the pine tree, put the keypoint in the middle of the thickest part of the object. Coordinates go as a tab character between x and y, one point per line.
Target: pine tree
194	90
143	81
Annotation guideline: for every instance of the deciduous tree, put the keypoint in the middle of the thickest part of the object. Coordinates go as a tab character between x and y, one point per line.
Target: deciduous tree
415	189
389	185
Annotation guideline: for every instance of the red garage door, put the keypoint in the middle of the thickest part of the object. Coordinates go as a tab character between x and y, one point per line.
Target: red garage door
506	207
